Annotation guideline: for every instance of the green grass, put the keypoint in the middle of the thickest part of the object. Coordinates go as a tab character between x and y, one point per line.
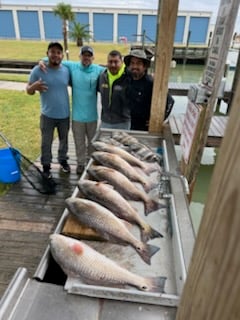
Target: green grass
19	122
34	50
14	77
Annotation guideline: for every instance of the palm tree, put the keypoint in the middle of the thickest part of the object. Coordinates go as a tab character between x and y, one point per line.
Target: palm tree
79	32
64	11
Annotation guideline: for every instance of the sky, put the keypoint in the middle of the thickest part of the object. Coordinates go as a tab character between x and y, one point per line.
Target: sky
184	5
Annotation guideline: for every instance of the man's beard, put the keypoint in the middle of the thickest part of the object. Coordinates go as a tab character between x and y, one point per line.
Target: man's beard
136	75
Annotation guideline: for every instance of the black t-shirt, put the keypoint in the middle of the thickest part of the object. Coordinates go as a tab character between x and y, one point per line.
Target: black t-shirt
140	95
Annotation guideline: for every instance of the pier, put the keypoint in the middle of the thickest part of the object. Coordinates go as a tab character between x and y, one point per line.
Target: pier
215	133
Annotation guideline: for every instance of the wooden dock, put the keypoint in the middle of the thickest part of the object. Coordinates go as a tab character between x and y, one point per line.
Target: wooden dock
27	218
215	134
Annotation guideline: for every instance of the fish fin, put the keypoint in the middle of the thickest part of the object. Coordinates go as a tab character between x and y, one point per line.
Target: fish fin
154	205
149	233
155	284
147	251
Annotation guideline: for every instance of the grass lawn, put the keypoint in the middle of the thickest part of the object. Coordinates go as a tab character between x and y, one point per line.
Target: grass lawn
19	122
34	50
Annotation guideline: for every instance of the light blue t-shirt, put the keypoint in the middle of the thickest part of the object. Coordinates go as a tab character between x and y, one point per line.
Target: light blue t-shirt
84	90
55	101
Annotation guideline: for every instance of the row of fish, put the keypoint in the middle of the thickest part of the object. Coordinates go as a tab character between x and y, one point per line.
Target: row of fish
104	208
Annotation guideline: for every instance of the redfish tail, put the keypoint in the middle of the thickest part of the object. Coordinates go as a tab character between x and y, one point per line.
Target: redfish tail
153	205
148	233
155	284
147	251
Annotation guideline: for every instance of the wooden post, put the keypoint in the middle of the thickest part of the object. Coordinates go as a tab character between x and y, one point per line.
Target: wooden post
212	287
163	57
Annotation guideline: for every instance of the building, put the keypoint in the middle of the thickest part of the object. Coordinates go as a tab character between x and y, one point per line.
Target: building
120	21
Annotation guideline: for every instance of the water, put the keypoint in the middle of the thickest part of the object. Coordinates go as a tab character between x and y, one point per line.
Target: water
193	74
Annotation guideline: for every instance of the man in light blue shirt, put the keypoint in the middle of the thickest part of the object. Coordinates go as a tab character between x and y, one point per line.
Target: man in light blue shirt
84	77
55	108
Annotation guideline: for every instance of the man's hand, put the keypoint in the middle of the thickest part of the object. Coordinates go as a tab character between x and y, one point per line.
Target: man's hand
42	66
38	85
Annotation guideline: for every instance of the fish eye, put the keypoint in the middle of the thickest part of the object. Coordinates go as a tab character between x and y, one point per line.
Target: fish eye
144	288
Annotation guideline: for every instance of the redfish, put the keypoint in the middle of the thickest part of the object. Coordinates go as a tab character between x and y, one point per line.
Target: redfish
78	259
116	162
108	197
102	220
131	159
125	187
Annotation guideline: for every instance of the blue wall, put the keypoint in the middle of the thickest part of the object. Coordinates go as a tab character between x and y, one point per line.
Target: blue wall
6	25
28	24
179	32
103	26
149	24
52	26
198	28
127	26
83	18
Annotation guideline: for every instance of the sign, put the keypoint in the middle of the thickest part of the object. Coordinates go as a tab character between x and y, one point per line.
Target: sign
189	128
218	42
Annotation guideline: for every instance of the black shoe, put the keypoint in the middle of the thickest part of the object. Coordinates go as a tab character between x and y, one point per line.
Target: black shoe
65	166
46	171
80	169
47	175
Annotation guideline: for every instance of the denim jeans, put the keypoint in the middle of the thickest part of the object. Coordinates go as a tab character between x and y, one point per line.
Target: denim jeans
47	126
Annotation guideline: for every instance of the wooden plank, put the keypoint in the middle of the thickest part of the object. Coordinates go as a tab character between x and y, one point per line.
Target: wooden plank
173	125
25	226
74	228
179	123
216	130
221	122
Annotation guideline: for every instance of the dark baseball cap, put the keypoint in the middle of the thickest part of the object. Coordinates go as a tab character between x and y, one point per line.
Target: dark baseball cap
86	49
55	44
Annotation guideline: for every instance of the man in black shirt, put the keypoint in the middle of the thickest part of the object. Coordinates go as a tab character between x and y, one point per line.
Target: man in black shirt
140	90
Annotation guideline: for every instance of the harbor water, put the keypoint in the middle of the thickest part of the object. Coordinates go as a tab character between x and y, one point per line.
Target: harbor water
193	74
